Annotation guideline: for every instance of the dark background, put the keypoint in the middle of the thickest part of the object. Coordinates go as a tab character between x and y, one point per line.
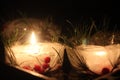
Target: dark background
61	10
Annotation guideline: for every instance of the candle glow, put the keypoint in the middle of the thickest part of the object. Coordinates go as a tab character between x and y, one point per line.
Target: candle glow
33	47
33	40
101	53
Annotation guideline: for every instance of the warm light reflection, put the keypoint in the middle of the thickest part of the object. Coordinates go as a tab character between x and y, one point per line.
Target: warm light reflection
33	39
101	53
32	49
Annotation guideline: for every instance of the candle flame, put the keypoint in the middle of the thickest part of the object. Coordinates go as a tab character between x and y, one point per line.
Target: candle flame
33	39
100	53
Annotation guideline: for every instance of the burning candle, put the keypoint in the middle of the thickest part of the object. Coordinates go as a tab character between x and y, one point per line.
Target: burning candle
96	57
36	52
101	53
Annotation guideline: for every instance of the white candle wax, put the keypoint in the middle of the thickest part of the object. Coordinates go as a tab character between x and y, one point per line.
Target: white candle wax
28	54
99	57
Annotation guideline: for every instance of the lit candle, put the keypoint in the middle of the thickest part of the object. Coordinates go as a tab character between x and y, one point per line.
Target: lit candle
27	52
36	52
96	57
101	53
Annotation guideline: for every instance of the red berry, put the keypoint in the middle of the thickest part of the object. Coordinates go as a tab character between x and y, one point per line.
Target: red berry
27	67
42	71
38	69
45	65
105	71
47	59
